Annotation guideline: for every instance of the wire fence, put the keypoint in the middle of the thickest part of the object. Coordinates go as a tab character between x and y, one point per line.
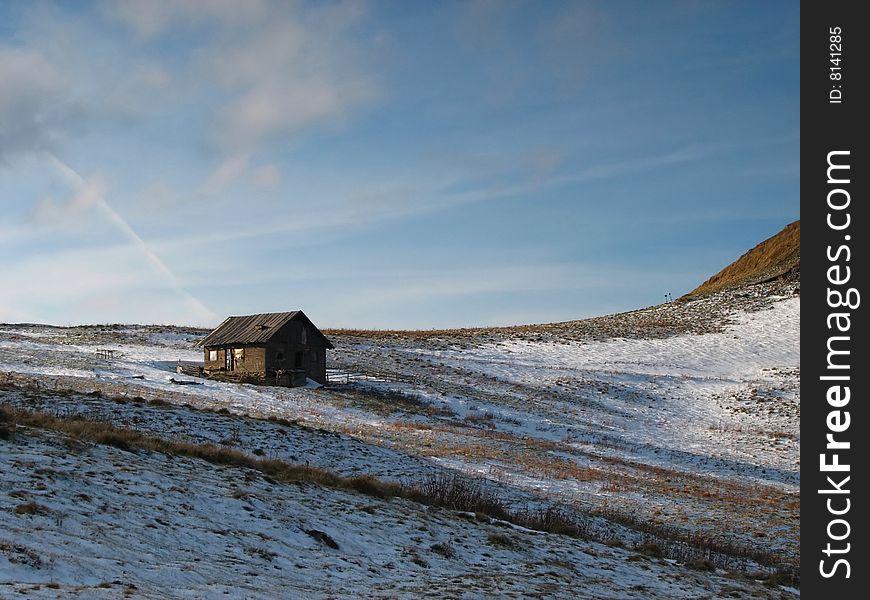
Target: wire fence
347	376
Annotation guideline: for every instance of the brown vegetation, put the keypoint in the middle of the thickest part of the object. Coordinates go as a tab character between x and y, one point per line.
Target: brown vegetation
775	257
454	491
32	508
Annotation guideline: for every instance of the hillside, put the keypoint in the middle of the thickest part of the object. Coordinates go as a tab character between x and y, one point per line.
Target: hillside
771	269
110	520
778	257
638	446
584	459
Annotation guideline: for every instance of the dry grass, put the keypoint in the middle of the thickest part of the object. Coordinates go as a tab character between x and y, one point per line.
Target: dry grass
7	429
447	491
101	432
389	402
19	554
483	419
459	493
501	540
772	258
444	549
452	491
739	496
32	508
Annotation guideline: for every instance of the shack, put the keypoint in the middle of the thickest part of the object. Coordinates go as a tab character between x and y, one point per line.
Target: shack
270	348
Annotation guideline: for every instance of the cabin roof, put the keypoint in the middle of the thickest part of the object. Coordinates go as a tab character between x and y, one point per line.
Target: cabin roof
255	329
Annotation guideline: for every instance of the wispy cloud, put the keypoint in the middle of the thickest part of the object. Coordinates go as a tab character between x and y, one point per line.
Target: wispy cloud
266	71
267	176
110	283
91	193
281	71
596	172
355	206
344	134
33	102
149	18
228	171
394	290
281	66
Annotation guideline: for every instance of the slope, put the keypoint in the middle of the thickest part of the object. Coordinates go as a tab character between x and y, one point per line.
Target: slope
778	257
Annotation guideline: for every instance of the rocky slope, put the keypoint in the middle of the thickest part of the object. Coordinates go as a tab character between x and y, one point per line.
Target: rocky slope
777	258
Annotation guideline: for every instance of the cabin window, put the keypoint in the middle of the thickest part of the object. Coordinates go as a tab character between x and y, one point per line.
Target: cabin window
304	334
239	354
212	355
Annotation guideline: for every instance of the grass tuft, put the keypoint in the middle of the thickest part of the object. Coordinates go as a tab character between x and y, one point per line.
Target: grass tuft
444	549
32	508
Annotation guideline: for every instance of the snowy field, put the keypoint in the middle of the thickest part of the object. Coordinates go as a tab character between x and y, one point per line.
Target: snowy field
668	394
677	435
111	524
689	430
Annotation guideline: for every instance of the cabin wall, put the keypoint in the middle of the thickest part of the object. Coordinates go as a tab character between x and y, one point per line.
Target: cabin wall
213	365
282	349
282	355
251	362
315	363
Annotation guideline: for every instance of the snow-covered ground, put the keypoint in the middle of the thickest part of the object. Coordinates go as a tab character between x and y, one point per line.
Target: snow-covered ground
667	393
680	434
693	430
105	523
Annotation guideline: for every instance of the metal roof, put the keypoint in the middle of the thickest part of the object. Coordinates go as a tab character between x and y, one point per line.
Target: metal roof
254	329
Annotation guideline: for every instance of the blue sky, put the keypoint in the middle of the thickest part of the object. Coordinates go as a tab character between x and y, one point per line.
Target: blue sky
386	164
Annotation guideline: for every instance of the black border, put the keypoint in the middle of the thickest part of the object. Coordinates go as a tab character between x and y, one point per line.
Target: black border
827	127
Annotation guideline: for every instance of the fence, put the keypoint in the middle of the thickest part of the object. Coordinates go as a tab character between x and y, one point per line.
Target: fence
347	376
105	354
189	367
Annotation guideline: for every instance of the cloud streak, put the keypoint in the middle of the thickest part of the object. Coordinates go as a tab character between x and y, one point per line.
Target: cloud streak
89	193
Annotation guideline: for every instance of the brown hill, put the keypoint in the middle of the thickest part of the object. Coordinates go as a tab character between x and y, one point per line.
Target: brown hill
776	258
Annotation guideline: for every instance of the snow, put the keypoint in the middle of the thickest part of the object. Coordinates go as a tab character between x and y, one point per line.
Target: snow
649	416
150	525
683	375
689	431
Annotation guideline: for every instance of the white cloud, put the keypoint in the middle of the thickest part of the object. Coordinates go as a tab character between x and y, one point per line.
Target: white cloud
62	78
33	102
281	66
266	176
284	74
418	285
90	192
145	17
149	18
265	71
157	195
228	171
86	195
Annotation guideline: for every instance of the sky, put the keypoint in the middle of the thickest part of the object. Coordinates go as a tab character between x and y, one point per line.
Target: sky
386	164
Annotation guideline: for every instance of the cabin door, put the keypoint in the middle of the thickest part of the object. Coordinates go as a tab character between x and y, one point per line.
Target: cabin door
228	359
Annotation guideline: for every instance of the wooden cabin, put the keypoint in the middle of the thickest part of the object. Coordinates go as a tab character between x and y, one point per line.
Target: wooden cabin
273	348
